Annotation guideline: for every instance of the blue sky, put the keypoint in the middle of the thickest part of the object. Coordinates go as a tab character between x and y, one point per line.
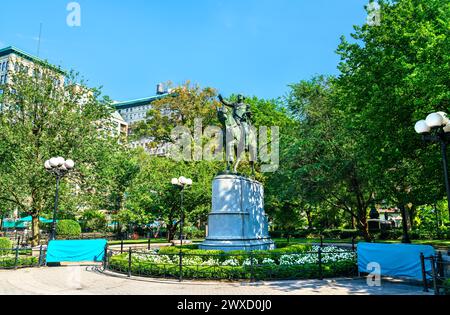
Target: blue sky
254	47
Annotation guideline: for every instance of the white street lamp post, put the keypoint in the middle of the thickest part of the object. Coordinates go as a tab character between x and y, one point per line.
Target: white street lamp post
436	128
181	183
59	167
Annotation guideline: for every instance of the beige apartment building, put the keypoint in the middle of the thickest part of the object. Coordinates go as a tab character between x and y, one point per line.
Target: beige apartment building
12	59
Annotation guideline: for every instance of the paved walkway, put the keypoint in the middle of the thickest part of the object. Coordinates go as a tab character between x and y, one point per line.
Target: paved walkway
84	280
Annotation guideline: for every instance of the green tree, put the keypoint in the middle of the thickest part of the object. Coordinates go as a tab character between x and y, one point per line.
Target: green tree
41	118
151	196
320	167
391	76
185	104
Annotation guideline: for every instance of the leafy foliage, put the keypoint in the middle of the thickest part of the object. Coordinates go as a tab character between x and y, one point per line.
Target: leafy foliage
68	228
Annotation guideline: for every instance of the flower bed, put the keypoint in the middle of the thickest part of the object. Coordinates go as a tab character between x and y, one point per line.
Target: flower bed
296	262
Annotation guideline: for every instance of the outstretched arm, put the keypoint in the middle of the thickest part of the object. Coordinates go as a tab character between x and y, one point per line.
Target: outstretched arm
224	102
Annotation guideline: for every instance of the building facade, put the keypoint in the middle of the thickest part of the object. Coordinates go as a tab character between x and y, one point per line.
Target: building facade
135	111
127	112
13	59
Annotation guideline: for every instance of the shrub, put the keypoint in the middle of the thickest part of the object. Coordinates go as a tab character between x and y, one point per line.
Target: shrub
418	234
302	233
93	221
281	244
206	252
191	246
193	232
7	262
68	228
172	250
292	249
5	245
446	286
390	234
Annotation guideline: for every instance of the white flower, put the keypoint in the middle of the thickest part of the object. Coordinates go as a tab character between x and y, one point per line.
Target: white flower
248	262
231	262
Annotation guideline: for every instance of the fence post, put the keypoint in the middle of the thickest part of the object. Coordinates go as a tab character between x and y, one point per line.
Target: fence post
424	273
121	244
433	268
181	264
252	271
321	240
105	258
18	241
353	243
129	262
440	264
149	241
40	256
16	260
320	264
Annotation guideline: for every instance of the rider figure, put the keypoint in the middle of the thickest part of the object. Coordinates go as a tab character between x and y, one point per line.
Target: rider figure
241	113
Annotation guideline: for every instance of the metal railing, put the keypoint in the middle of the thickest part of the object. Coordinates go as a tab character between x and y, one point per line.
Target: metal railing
257	265
15	258
439	274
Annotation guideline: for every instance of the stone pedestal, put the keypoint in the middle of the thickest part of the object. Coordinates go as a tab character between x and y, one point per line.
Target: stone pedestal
237	220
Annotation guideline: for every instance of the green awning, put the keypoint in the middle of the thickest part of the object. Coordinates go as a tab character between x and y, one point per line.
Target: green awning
29	219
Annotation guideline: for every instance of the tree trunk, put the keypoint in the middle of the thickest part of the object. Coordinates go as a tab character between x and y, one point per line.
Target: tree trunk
362	225
405	238
309	218
35	232
171	230
411	214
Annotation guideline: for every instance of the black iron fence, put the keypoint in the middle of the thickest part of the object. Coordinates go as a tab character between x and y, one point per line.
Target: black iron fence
15	258
439	277
256	265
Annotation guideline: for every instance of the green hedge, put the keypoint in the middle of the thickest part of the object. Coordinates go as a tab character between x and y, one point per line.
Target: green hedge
446	286
5	245
258	272
68	228
8	262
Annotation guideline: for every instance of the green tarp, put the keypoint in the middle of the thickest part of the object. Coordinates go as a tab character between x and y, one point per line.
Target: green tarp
29	219
20	224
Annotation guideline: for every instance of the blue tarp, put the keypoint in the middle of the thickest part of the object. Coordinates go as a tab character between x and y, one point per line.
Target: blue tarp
395	260
76	251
